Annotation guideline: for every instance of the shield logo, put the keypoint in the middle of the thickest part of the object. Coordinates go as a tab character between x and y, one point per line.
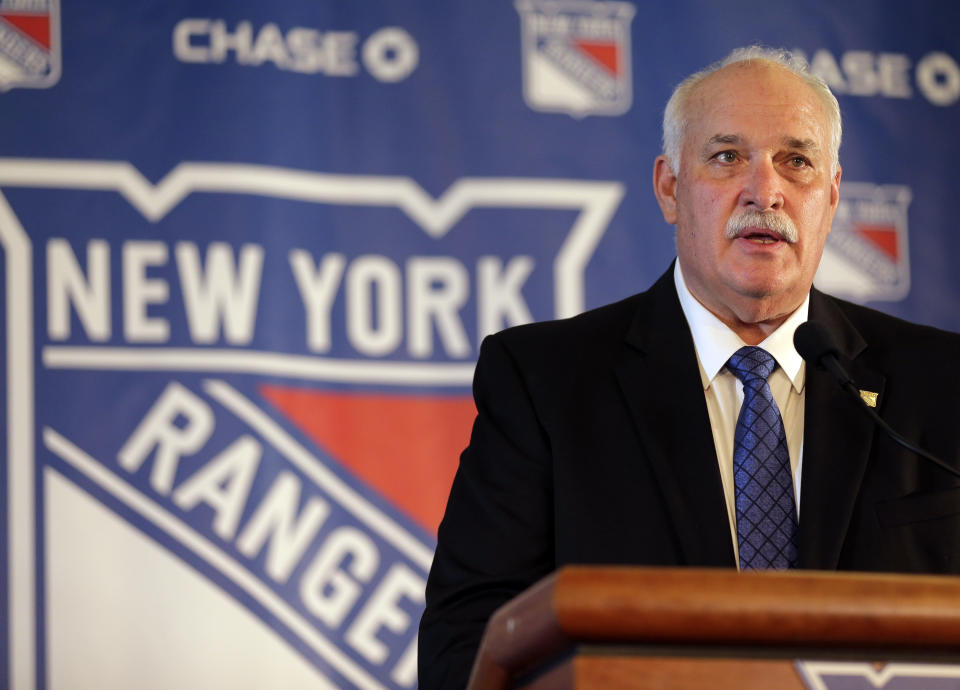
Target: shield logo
304	483
576	56
866	256
29	44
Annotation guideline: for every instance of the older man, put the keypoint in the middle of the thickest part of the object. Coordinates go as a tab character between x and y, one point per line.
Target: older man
680	426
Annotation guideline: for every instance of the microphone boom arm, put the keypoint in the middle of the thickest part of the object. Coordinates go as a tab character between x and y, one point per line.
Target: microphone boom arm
815	344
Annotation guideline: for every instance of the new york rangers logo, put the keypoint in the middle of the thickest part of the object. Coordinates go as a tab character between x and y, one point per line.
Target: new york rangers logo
29	43
171	465
867	256
576	56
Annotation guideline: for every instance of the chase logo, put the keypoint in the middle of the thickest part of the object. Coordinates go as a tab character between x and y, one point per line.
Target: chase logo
231	426
834	675
867	256
576	56
29	43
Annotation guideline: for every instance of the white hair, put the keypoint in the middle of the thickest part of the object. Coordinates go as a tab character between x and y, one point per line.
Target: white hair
675	114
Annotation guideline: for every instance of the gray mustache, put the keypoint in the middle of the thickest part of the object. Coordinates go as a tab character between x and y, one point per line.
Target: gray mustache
778	224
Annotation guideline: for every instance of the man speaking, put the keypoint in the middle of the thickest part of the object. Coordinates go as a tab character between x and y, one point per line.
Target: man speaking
680	426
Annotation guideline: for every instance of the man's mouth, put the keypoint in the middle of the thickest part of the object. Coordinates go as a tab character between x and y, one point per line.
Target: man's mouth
759	236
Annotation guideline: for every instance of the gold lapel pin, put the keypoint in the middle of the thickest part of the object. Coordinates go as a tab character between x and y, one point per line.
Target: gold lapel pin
869	397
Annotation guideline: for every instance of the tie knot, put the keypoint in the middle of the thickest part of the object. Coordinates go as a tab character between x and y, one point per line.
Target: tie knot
751	364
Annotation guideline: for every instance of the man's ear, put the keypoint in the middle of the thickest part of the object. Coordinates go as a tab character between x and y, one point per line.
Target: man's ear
665	189
835	188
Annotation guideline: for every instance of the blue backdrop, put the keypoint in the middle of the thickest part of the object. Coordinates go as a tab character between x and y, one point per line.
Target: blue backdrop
249	253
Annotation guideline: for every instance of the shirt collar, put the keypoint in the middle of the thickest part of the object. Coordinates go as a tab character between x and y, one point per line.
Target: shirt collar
715	342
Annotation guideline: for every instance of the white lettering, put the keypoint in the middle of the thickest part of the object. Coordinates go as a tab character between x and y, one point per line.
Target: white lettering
66	285
302	49
222	42
894	71
159	429
858	66
825	66
307	49
183	46
370	301
275	519
214	295
318	288
381	611
333	52
373	305
499	298
139	292
337	579
270	46
224	484
404	673
327	591
437	288
888	74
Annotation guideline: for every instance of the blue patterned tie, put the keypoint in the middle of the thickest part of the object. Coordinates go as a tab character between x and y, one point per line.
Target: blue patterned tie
766	511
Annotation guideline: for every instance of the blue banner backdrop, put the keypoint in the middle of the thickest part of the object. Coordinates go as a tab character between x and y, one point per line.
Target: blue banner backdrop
250	250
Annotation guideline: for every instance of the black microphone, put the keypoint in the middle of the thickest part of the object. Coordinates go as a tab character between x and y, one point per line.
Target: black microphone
816	345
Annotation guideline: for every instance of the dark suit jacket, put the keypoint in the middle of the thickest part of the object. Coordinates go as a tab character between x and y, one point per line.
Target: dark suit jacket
593	445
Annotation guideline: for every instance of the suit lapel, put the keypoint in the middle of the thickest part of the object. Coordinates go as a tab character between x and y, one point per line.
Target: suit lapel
836	443
660	381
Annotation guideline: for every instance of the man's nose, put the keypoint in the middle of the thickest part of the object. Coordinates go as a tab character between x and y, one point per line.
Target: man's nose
762	190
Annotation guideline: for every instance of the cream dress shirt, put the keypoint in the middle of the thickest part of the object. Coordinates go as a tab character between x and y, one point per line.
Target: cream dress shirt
714	343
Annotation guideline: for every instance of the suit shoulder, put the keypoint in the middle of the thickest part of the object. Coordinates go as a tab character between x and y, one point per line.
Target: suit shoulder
898	336
594	329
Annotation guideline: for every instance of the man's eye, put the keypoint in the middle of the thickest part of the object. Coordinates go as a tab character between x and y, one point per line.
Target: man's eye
799	162
726	157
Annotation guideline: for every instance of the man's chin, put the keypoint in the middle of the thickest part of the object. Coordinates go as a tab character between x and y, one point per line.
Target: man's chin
762	302
760	289
769	283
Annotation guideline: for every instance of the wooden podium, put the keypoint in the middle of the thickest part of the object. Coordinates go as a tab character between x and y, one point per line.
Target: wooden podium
590	627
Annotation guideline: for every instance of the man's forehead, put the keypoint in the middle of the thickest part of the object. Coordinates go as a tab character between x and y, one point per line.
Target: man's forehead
744	102
750	72
758	83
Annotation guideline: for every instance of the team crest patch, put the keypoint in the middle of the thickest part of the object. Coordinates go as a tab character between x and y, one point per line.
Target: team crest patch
866	256
576	56
29	43
826	675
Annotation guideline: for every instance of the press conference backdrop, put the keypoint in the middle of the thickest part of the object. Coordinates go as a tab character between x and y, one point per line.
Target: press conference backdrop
250	250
